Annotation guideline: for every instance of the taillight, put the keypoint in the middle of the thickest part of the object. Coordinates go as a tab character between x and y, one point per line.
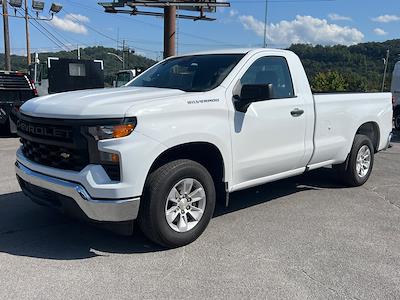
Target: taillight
34	88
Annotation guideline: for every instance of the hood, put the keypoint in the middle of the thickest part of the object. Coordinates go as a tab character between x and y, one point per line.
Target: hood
94	104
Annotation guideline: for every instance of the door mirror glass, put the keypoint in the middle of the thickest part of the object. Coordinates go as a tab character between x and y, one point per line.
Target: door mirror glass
256	92
250	93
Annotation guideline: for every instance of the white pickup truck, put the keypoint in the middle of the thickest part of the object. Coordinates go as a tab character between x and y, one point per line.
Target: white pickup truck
190	128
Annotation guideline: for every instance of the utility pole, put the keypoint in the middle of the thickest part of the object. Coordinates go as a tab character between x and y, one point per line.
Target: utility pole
386	60
265	24
37	61
7	53
128	54
28	43
169	30
123	54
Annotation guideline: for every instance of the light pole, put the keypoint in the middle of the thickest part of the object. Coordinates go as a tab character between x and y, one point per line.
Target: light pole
265	24
169	31
38	7
7	53
27	36
386	61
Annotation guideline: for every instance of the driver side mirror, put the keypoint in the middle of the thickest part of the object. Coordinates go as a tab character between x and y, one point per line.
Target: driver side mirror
250	93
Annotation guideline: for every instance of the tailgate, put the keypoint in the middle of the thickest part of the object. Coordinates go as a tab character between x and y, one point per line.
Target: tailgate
15	89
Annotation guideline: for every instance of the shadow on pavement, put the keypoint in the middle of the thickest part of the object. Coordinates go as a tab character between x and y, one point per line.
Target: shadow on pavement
27	229
396	136
322	178
7	135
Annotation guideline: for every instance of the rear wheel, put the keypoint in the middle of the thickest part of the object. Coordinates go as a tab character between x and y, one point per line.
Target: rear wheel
397	121
357	169
178	203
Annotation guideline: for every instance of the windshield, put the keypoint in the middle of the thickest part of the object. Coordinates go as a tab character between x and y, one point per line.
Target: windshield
122	79
197	73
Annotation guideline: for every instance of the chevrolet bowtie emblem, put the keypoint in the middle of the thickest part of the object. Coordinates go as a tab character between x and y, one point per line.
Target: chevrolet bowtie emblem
65	155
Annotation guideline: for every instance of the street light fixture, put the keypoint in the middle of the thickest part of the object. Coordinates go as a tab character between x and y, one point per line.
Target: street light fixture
16	3
55	8
116	56
38	5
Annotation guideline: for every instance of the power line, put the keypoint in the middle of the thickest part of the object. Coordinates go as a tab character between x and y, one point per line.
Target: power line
279	1
50	33
105	35
52	28
55	41
100	11
44	28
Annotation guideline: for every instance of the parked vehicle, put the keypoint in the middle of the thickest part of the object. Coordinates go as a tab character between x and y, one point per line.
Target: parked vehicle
188	129
124	76
15	89
395	89
62	75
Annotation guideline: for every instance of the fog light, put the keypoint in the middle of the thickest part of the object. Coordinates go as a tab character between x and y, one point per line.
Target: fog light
109	157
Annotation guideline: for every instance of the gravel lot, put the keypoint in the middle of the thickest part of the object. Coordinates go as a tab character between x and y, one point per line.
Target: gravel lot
306	237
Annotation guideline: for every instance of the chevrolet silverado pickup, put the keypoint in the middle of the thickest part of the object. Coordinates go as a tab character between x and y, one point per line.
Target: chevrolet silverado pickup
162	148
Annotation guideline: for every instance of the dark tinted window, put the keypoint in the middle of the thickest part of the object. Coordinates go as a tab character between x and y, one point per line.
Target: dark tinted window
123	78
77	70
271	70
197	73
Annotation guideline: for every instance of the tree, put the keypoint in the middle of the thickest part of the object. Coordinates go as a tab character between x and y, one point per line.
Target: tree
330	81
356	82
361	65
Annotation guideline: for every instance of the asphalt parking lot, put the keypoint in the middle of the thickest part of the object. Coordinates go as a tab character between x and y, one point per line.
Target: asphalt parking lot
307	237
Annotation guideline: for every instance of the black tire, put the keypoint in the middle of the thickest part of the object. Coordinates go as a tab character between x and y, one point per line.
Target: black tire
397	121
5	129
348	170
152	219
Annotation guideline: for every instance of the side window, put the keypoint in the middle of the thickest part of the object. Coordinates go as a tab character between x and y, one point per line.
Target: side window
271	70
77	70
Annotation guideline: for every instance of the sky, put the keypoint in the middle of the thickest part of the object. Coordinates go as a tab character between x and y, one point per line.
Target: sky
325	22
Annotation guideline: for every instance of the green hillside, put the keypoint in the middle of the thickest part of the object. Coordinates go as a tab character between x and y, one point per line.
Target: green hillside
354	68
329	68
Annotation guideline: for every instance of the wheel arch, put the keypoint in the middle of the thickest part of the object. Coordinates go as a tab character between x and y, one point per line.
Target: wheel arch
205	153
371	129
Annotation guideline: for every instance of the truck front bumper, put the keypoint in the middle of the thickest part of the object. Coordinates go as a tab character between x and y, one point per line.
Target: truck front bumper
68	196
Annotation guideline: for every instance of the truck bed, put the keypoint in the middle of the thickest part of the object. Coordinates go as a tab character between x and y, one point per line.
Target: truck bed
15	89
336	121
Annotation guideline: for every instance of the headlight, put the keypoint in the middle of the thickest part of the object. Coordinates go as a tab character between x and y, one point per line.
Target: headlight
104	132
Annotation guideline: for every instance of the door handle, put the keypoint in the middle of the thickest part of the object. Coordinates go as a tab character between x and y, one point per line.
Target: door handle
297	112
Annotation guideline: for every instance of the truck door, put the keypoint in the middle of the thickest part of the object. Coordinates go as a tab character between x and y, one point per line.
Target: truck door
268	139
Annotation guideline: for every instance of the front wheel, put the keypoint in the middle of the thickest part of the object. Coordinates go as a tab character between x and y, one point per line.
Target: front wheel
357	169
178	203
